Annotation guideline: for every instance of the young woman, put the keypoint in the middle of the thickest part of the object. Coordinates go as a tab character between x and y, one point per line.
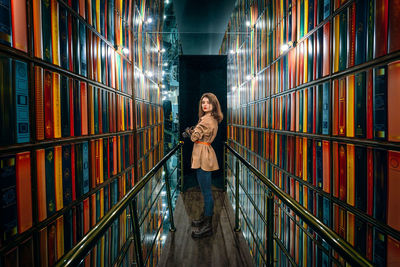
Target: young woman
204	159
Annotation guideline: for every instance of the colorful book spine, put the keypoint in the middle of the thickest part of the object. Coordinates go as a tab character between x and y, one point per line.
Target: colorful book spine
20	72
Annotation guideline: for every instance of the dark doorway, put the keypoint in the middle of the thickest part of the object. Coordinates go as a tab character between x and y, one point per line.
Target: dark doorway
198	75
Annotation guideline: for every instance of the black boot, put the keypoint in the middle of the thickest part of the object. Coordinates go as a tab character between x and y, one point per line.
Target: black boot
199	222
205	230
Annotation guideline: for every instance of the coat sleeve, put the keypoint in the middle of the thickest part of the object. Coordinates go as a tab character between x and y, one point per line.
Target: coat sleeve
203	128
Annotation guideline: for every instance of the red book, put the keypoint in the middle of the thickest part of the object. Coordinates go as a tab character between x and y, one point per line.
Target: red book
84	109
381	28
370	181
393	96
82	9
326	163
48	107
335	162
52	243
394	26
86	216
352	35
342	107
41	184
393	202
326	49
19	35
24	191
370	97
71	107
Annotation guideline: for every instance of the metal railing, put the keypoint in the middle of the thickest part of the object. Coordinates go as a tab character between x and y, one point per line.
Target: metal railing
84	246
343	248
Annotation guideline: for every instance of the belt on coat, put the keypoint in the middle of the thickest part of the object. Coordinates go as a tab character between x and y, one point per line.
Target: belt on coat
204	143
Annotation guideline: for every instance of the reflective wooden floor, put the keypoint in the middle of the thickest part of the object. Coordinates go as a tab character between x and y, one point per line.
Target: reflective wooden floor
224	248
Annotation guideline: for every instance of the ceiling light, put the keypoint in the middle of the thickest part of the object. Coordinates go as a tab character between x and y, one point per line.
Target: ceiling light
248	77
149	20
165	16
125	50
284	48
231	51
162	50
248	23
166	64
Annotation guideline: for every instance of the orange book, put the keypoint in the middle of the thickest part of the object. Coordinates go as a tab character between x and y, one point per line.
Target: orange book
55	41
60	237
48	104
39	103
350	228
393	202
43	247
37	28
93	208
19	31
393	252
305	158
82	8
393	101
325	50
24	191
58	177
84	114
41	185
326	163
91	108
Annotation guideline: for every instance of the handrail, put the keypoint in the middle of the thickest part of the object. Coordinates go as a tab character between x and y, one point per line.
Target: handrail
79	251
333	239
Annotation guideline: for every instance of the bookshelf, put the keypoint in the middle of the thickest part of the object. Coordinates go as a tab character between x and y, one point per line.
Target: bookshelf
312	104
76	104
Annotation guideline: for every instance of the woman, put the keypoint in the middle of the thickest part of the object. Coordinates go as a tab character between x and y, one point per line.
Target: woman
204	159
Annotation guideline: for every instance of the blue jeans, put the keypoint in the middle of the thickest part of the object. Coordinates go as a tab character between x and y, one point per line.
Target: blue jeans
204	179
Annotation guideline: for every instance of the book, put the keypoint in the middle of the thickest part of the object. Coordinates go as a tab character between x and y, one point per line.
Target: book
380	103
24	191
18	22
392	96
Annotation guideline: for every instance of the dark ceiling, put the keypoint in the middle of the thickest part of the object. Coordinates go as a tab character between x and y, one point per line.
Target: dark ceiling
202	24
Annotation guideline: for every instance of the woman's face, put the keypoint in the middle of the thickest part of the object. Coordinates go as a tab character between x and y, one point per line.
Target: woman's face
206	105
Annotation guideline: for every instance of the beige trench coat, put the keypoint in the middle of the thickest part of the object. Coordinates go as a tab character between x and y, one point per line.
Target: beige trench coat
203	156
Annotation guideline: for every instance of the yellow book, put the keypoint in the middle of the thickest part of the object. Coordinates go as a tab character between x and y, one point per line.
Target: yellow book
305	17
336	44
350	106
55	43
305	59
350	228
58	177
305	158
60	237
56	105
350	175
305	109
98	16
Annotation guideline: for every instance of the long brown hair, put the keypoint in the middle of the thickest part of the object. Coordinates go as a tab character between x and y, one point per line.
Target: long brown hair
216	107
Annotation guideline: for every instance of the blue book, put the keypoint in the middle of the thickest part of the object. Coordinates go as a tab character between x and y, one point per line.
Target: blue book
46	31
379	250
327	9
310	109
85	167
96	109
310	15
102	18
66	174
360	111
21	101
319	57
78	170
63	26
310	58
76	54
109	51
50	183
5	23
65	107
110	21
8	198
360	235
82	47
68	230
360	185
94	18
380	103
361	32
326	129
318	107
380	185
77	108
